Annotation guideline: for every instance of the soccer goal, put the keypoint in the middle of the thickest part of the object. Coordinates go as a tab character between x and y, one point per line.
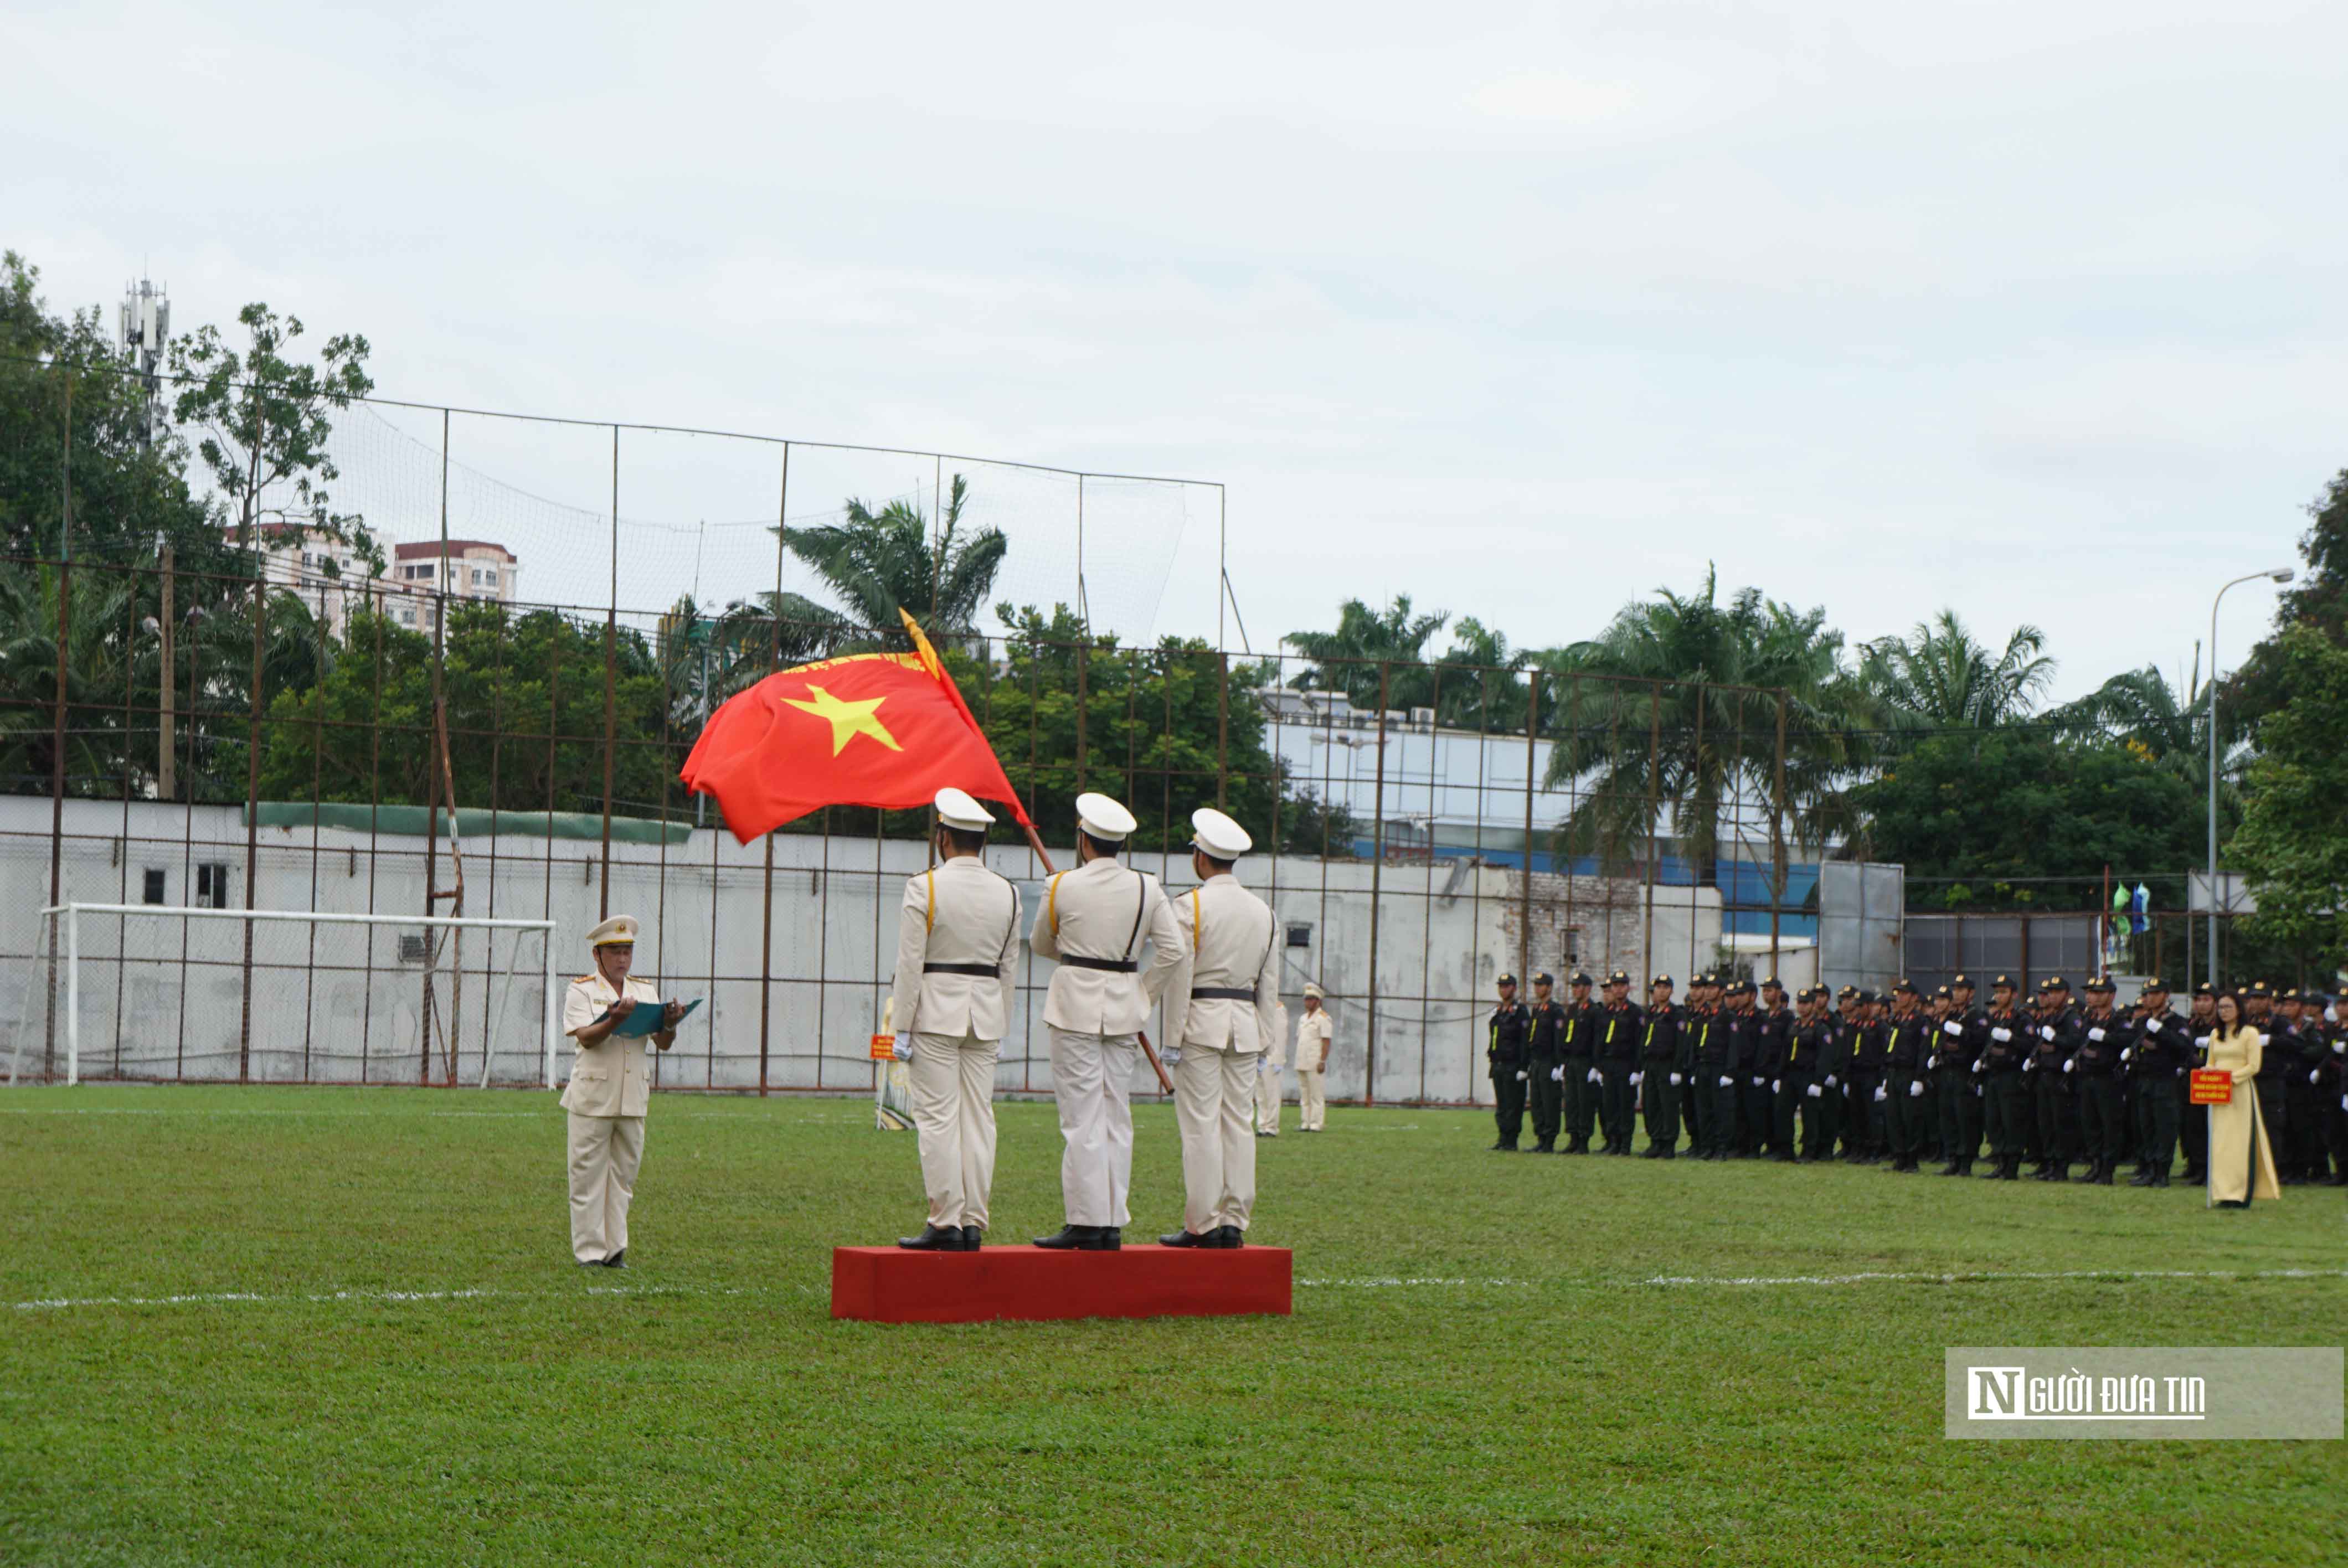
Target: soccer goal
148	992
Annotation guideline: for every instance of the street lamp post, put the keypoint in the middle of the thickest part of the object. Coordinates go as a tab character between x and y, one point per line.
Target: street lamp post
2279	575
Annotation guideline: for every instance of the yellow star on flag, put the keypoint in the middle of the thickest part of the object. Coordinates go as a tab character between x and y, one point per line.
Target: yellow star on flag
848	719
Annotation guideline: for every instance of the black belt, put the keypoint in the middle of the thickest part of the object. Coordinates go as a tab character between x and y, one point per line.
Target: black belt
1223	993
1113	966
988	969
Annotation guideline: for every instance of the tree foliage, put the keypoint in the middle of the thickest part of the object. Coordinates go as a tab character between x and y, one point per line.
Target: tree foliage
2293	840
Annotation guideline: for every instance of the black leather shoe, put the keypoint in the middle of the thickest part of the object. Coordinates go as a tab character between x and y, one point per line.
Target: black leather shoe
1188	1238
2160	1179
972	1236
2141	1179
934	1238
1105	1238
1067	1238
1545	1147
617	1260
1231	1238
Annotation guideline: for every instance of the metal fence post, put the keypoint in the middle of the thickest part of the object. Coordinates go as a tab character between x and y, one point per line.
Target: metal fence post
252	815
1377	868
1654	812
1525	908
611	656
766	913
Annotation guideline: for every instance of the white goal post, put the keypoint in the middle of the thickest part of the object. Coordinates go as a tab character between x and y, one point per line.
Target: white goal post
70	915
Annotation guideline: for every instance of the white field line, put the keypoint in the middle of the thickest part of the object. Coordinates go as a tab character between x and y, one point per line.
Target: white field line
1987	1276
241	1111
240	1297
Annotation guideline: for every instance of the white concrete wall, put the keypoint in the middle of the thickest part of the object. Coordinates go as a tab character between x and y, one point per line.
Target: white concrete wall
329	1005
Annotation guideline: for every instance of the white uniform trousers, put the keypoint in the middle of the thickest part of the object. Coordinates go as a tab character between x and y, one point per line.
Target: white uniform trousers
952	1080
1266	1095
1214	1092
604	1154
1092	1079
1311	1090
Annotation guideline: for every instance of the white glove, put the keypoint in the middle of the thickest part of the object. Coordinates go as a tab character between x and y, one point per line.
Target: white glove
1915	1088
2153	1027
1952	1027
2030	1064
901	1048
1812	1092
1830	1081
2124	1053
1980	1066
1777	1086
2339	1046
2001	1035
1557	1074
1728	1082
2068	1063
2095	1034
1675	1081
1173	1057
1594	1078
2310	1077
1522	1075
1880	1093
1756	1084
1636	1078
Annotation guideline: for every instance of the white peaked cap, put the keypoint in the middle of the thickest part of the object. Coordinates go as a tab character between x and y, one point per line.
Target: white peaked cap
619	930
1103	818
1218	835
1315	992
957	809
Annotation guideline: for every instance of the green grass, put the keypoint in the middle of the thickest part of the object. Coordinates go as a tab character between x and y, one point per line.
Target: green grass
1480	1368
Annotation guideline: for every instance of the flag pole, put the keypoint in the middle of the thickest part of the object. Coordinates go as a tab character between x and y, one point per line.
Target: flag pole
1165	1083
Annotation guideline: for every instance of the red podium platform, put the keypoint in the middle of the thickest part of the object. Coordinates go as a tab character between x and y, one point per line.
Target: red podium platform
890	1284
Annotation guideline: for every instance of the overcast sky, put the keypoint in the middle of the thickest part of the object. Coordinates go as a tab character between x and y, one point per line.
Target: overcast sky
2035	310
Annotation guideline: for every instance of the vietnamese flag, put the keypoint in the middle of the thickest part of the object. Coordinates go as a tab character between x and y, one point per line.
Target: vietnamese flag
885	730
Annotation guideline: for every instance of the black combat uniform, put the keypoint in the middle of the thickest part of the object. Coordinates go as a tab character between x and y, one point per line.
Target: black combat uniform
2272	1083
1580	1094
1509	1054
2008	1114
2055	1038
2193	1121
1906	1036
1717	1064
1772	1032
1797	1078
2159	1058
1833	1072
1659	1063
1696	1024
1546	1083
2095	1070
2330	1084
1866	1129
1618	1027
2302	1043
1954	1052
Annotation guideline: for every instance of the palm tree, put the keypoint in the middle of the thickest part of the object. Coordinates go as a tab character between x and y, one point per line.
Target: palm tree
1675	711
30	656
877	563
1347	659
1939	677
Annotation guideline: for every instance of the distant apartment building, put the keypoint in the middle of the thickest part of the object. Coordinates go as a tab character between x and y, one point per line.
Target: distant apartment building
462	569
324	572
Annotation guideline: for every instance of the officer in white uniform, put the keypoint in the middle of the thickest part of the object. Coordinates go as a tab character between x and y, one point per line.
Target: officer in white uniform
1267	1066
1095	921
610	1090
1222	1008
957	932
1313	1032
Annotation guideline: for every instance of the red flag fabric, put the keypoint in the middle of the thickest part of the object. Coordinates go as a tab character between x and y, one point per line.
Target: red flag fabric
871	729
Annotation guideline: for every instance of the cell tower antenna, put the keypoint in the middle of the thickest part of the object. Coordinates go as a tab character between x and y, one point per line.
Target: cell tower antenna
145	332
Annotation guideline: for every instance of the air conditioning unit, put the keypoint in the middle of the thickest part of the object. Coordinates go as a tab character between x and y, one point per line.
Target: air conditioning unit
1423	716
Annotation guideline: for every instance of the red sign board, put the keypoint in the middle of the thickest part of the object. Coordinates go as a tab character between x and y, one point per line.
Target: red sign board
2210	1086
884	1047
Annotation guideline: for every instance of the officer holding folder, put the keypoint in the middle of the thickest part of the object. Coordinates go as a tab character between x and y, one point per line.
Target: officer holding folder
609	1091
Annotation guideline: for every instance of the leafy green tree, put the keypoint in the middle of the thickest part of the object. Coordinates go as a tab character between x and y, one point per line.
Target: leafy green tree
525	696
1347	661
2318	601
1983	817
1940	677
2293	840
1670	715
878	563
264	417
73	421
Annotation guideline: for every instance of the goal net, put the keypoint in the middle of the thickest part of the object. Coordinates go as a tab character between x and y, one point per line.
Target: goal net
139	992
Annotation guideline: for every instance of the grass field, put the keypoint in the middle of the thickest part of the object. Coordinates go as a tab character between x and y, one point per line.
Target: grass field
316	1326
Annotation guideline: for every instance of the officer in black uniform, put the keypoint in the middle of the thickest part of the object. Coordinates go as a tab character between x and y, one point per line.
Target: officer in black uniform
2301	1041
1826	1080
1619	1026
1847	1022
2272	1083
2193	1121
1907	1037
1798	1095
1956	1047
1735	1107
1509	1054
2331	1087
1696	1021
2158	1055
1764	1085
2095	1065
1580	1092
2056	1038
1715	1059
1547	1079
1659	1077
2008	1115
1868	1094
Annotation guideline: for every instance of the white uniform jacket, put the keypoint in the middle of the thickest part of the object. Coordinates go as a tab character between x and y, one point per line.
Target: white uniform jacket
1313	1036
1106	912
615	1078
1225	992
957	936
